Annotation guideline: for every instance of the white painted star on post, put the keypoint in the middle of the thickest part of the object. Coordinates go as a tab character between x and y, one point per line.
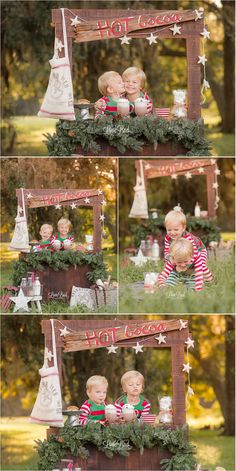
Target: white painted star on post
112	349
175	29
183	324
57	206
206	84
48	354
58	44
188	175
21	301
217	171
87	200
64	332
161	338
186	367
103	202
190	391
202	59
206	34
215	185
125	40
189	342
29	195
73	206
199	14
201	170
75	21
102	218
100	192
151	39
174	176
138	348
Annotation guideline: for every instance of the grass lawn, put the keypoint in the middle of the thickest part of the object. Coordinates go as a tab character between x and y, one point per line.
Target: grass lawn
18	452
215	297
8	257
30	130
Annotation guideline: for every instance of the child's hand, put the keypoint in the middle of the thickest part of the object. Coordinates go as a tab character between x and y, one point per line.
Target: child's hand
100	104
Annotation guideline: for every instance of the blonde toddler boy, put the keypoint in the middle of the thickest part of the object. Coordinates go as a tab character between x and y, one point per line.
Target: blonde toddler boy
94	408
133	384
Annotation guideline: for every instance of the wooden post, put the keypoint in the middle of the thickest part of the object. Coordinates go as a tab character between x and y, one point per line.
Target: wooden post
179	408
194	78
210	174
97	227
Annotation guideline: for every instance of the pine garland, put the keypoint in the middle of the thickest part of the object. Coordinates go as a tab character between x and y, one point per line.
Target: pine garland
59	261
126	134
156	226
119	439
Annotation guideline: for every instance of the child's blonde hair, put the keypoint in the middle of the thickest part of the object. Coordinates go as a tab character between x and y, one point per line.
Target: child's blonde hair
44	226
181	249
135	71
176	216
67	221
131	374
105	81
94	380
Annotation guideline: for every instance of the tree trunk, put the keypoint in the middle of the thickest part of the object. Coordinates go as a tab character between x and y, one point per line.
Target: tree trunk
229	66
230	375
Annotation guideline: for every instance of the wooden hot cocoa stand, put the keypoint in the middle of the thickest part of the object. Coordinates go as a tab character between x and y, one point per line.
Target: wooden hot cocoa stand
93	334
57	285
98	25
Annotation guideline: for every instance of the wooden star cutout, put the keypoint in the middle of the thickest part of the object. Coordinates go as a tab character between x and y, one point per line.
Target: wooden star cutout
125	39
48	354
73	206
189	342
21	301
215	185
217	171
102	217
57	206
206	34
58	44
103	202
202	59
174	176
138	348
112	349
186	367
139	259
87	200
29	195
100	192
201	170
188	175
64	332
161	338
199	14
20	209
151	39
175	29
183	324
75	21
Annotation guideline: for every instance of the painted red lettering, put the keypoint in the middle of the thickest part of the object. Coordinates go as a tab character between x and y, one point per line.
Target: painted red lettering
101	28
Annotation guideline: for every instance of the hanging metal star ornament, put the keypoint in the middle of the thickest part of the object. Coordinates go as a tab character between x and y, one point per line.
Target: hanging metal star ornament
125	40
201	170
189	342
151	39
186	367
73	206
75	21
183	324
202	59
112	349
102	217
188	175
138	348
190	391
175	29
205	84
64	332
87	200
21	302
161	338
206	34
174	176
57	206
199	14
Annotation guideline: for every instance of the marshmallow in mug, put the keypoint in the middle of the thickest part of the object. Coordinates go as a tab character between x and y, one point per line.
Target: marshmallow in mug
110	413
128	412
140	106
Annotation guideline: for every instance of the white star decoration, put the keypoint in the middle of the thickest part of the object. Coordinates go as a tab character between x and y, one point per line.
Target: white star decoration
48	354
206	84
29	195
112	349
73	206
58	44
125	39
186	367
188	175
174	176
147	166
199	14
213	161
20	209
64	332
189	342
176	29
102	217
215	185
87	200
161	338
103	202
139	259
201	170
183	324
75	21
138	348
57	206
190	391
151	39
21	302
217	171
206	34
100	192
202	59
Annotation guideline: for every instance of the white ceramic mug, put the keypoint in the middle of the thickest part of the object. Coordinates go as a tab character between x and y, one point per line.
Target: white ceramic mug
67	244
140	106
123	107
56	244
110	413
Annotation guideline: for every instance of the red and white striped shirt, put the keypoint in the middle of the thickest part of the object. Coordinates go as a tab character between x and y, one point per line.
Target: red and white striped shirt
197	244
91	411
196	264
